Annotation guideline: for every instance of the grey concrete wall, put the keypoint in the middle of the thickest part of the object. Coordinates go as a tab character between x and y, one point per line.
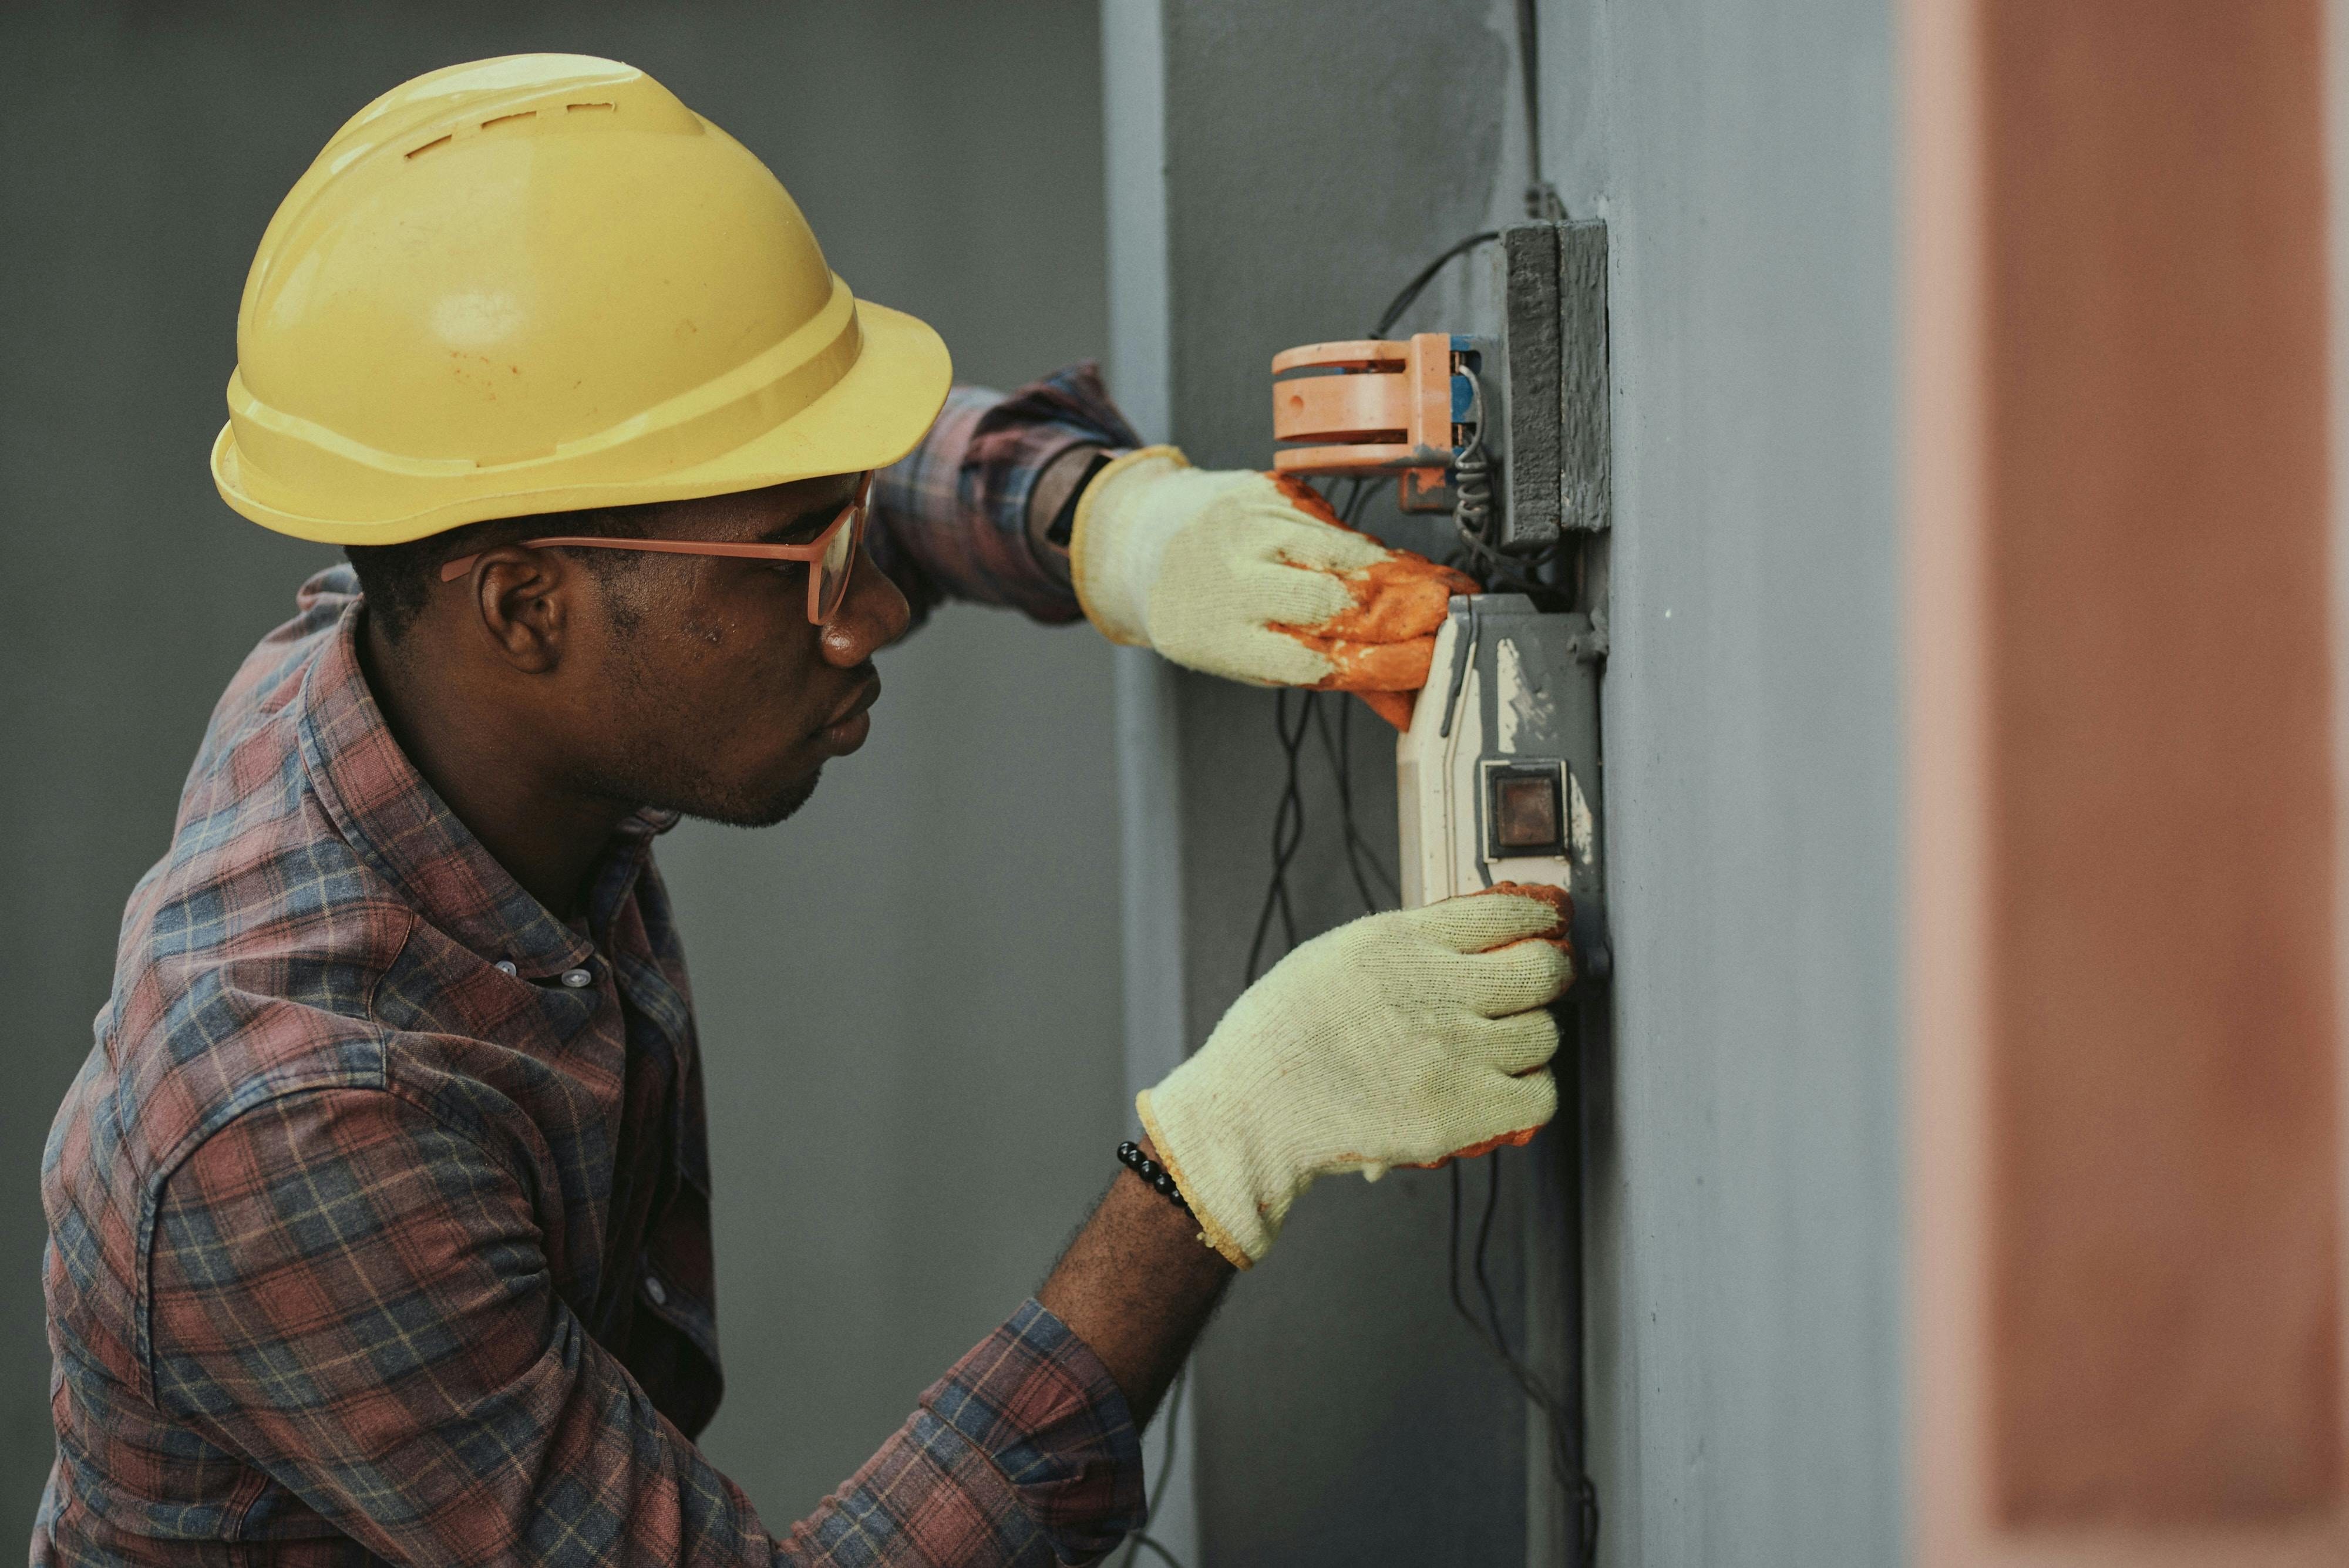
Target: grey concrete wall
918	971
1747	1188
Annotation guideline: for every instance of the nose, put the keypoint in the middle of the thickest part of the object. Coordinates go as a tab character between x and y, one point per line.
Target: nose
871	616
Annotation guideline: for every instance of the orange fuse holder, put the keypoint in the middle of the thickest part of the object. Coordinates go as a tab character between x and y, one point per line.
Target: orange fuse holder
1373	407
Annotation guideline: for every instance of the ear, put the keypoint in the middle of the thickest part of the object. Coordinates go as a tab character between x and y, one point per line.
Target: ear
526	602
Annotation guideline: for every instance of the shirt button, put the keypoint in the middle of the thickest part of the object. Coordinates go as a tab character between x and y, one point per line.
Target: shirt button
508	966
655	1292
576	978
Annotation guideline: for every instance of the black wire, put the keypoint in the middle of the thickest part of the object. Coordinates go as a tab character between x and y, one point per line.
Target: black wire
1411	290
1288	816
1489	1334
1484	1240
1288	829
1542	199
1475	554
1362	862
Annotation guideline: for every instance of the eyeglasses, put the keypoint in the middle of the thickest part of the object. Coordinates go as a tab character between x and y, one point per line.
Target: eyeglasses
833	554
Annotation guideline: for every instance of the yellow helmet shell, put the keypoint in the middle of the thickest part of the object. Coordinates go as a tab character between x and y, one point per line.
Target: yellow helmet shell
541	282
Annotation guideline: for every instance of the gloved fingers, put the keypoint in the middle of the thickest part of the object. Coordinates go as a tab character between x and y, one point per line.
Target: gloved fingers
1479	922
1507	980
1370	666
1394	707
1397	593
1517	1139
1517	1043
1305	498
1277	594
1521	975
1230	568
1257	655
1509	1111
1275	533
1519	1106
1549	893
1401	595
1390	594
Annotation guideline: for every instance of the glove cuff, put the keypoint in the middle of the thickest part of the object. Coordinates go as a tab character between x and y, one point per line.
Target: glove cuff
1115	544
1206	1198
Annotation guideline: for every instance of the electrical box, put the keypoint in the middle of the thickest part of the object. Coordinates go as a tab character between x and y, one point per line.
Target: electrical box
1497	777
1498	774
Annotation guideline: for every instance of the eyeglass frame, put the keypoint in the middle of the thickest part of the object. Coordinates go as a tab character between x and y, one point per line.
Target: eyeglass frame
851	516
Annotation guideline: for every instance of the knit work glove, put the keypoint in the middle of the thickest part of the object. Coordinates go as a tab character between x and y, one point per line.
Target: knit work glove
1406	1038
1252	577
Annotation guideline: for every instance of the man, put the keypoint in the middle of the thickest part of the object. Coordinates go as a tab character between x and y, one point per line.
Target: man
379	1213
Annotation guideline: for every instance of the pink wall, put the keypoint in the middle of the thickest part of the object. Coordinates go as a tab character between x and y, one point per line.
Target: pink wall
2125	1045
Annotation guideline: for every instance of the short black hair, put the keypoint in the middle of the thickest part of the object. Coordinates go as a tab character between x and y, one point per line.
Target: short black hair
398	580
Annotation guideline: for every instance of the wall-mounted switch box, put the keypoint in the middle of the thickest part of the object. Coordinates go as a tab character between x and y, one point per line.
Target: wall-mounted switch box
1498	776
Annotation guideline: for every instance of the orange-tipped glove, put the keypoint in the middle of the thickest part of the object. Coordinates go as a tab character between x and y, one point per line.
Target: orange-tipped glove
1407	1038
1252	577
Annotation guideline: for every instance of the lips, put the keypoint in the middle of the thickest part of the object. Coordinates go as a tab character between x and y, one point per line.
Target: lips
845	727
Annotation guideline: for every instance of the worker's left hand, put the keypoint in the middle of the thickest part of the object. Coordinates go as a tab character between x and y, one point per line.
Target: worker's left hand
1251	576
1410	1037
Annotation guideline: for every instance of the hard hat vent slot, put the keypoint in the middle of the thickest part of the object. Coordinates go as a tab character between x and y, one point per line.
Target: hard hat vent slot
441	141
575	107
509	119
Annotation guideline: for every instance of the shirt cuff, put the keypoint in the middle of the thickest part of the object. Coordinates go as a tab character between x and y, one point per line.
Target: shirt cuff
1034	1400
951	520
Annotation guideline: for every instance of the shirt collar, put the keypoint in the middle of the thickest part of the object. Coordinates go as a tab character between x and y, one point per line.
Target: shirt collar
399	825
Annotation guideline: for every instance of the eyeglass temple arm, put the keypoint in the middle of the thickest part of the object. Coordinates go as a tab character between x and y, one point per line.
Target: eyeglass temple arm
457	568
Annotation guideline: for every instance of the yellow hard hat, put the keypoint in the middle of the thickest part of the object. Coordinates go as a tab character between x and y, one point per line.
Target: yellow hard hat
538	284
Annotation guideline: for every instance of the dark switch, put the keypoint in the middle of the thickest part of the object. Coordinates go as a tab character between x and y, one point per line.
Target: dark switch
1526	815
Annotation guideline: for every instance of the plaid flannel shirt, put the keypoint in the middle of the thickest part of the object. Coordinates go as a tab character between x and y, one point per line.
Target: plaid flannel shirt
951	521
379	1213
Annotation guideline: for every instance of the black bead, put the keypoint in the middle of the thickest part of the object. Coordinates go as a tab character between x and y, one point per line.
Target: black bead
1154	1176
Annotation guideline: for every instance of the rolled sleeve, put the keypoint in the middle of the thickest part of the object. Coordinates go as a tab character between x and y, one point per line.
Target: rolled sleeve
950	521
359	1301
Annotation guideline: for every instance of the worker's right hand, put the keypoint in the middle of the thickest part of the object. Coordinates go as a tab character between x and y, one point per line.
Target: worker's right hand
1251	576
1404	1038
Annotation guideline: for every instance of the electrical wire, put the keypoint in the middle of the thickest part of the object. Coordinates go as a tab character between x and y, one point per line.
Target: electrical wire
1489	1334
1473	517
1473	514
1542	199
1412	290
1288	829
1293	721
1362	862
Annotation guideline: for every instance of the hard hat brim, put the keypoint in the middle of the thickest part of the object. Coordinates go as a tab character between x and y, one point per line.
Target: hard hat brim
874	414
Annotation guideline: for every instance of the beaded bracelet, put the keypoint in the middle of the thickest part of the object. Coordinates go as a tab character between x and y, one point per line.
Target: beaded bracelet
1155	1175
